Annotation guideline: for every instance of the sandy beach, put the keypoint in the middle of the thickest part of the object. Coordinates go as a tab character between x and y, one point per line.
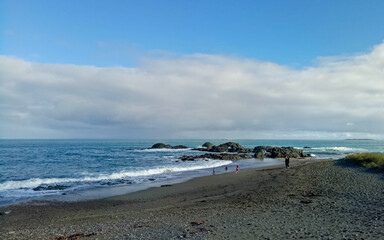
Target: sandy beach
314	199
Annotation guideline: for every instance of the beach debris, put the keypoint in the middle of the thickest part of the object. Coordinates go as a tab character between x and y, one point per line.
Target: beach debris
311	194
190	233
196	223
6	212
199	230
166	185
74	236
306	201
137	225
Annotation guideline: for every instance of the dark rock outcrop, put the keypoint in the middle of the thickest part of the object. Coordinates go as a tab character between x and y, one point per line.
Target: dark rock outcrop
179	147
230	147
225	147
208	145
167	146
161	145
188	158
219	156
278	152
50	187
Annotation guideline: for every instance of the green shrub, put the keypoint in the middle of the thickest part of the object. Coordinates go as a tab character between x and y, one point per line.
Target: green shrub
368	160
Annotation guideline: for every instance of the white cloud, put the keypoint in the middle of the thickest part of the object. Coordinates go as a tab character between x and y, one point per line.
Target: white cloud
194	96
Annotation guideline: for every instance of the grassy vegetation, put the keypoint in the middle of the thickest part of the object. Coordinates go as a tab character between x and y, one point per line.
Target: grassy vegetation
368	160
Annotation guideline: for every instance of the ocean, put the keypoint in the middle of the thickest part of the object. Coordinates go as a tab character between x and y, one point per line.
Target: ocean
71	170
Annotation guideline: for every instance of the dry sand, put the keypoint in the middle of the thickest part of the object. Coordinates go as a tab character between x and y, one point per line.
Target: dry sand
314	199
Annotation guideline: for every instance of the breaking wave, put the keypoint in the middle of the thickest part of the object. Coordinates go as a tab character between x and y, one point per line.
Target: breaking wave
161	150
339	149
36	182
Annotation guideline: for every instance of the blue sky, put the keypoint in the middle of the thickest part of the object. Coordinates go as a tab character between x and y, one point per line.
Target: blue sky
110	33
297	69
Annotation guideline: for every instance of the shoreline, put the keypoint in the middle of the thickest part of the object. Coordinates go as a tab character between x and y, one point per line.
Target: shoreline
101	192
312	198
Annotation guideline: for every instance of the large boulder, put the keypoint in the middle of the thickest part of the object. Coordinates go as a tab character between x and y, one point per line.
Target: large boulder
260	154
161	145
208	145
278	152
179	147
230	147
167	146
218	156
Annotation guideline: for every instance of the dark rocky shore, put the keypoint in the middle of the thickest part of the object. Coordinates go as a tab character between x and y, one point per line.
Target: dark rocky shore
167	146
217	156
314	199
237	151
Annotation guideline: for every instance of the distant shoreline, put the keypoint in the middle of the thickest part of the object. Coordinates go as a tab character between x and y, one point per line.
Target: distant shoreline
359	139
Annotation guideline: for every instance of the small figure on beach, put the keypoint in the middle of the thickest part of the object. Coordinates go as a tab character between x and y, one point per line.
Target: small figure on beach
213	172
226	168
286	162
237	168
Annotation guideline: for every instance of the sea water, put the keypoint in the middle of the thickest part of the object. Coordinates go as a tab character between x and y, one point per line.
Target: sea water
87	169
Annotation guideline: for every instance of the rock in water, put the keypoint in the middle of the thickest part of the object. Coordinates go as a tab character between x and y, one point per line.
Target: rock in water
208	145
161	145
230	147
278	152
179	147
219	156
188	158
261	154
167	146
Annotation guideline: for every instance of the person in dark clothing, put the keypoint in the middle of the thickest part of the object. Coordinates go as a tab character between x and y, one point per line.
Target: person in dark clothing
286	162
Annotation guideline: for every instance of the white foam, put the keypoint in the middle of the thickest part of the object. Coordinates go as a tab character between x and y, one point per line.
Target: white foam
340	149
35	182
162	150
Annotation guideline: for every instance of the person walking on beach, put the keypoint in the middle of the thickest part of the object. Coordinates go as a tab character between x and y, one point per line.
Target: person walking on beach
226	168
237	168
287	162
213	172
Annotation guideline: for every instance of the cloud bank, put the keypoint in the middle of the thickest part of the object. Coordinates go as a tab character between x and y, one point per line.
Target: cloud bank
194	96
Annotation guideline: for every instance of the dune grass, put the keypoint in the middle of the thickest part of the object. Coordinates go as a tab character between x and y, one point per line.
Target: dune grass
368	160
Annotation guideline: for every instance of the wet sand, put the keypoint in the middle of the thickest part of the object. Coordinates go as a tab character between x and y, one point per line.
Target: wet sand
314	199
